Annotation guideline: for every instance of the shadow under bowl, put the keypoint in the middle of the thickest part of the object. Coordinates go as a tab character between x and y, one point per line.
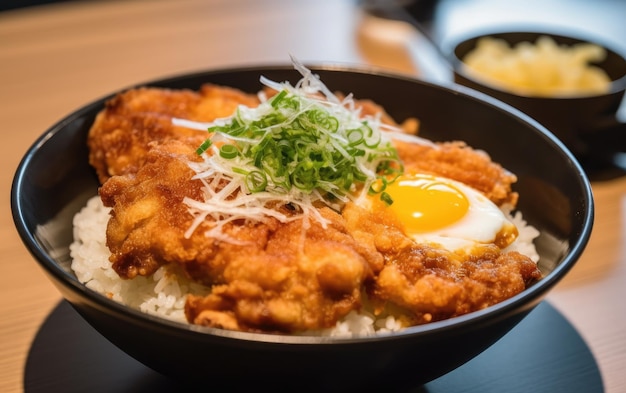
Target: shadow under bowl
54	181
582	122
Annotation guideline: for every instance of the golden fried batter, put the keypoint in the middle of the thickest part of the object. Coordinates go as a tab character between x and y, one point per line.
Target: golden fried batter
271	276
272	282
436	284
148	211
433	283
119	138
457	161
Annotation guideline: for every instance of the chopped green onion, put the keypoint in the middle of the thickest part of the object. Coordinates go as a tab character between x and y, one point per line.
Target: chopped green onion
228	151
378	186
240	171
204	146
386	198
256	181
278	98
299	142
303	148
355	137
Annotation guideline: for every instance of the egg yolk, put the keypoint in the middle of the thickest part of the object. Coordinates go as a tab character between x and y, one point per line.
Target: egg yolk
424	203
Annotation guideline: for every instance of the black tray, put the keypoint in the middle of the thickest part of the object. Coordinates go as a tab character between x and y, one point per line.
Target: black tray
544	353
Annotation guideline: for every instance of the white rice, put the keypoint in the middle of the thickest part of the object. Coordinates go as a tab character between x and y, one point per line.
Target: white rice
527	234
164	293
161	294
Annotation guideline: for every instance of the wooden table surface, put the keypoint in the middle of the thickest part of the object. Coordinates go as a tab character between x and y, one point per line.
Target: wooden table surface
55	58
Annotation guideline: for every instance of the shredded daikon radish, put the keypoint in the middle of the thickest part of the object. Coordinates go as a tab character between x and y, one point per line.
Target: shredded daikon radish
300	148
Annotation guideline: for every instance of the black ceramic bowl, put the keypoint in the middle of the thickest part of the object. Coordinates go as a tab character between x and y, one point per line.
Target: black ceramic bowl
587	124
54	181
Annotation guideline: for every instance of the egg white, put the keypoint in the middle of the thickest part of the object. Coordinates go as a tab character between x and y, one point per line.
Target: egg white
484	223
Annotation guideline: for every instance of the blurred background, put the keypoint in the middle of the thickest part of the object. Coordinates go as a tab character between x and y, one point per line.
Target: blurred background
129	42
441	20
15	4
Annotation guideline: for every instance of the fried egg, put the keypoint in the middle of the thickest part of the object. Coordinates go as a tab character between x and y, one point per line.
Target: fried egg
447	213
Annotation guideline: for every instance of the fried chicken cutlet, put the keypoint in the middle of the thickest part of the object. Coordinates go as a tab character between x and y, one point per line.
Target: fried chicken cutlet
457	161
283	276
431	283
271	282
119	138
267	281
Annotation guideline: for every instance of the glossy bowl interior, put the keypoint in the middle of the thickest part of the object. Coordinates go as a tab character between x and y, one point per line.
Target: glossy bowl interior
576	120
54	181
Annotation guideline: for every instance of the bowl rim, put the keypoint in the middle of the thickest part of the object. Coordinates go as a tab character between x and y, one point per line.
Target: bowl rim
527	299
617	86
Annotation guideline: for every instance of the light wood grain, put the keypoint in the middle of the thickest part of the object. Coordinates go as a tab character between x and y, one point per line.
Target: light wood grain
54	59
